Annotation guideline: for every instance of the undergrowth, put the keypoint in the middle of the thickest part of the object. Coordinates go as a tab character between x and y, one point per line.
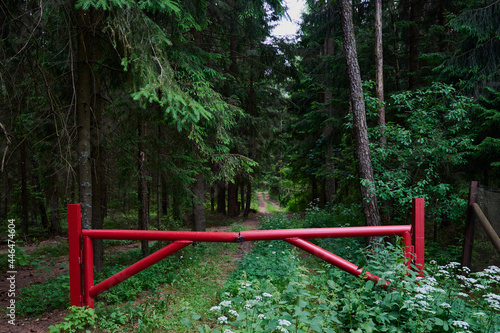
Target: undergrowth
277	289
322	298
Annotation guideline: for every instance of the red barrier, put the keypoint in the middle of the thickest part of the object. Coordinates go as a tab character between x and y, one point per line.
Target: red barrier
82	286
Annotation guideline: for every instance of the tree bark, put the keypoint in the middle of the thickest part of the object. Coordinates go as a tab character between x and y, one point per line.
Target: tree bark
395	46
248	198
24	189
55	223
199	221
221	197
212	198
232	199
143	188
329	49
39	196
368	194
98	176
164	197
379	70
416	12
83	111
242	195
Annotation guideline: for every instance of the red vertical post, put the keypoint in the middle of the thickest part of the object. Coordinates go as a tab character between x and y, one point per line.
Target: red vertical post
88	271
418	229
408	248
75	250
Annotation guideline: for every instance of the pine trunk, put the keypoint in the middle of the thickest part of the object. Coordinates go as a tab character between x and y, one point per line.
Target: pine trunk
379	70
232	199
24	189
221	197
55	222
416	12
83	111
368	194
199	221
248	198
143	189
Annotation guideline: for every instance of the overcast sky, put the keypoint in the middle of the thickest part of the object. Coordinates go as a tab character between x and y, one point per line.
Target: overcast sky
285	27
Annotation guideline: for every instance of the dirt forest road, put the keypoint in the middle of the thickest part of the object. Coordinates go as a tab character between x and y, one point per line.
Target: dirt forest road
41	323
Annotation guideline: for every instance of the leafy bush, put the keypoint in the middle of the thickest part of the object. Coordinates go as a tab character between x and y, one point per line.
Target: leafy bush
38	298
79	319
431	137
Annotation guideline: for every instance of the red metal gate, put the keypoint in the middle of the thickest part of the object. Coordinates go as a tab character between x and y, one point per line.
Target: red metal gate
83	290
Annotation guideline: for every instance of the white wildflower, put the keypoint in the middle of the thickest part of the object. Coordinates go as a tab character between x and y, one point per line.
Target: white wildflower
261	316
267	295
225	303
445	305
222	319
215	308
227	330
233	312
282	329
461	324
284	322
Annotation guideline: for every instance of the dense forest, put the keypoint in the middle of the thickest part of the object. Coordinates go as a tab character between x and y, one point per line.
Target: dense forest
163	111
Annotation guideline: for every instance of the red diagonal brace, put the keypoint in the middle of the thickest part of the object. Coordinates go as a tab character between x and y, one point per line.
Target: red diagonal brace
331	258
137	267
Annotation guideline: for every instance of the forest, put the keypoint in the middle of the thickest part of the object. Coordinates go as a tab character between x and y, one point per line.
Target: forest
165	114
162	110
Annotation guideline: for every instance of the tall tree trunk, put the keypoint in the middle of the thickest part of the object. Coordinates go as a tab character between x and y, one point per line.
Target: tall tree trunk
24	188
368	194
83	110
212	198
143	188
164	197
3	210
39	196
98	176
395	46
199	221
55	223
232	199
379	69
176	202
314	194
221	197
242	195
329	49
416	12
248	198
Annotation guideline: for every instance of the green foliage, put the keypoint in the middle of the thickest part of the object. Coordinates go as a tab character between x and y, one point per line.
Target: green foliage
79	319
475	58
21	258
148	279
430	140
329	300
38	298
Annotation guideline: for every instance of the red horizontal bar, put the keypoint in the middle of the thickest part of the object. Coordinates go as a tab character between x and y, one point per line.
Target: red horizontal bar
331	258
388	230
137	267
252	235
195	236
